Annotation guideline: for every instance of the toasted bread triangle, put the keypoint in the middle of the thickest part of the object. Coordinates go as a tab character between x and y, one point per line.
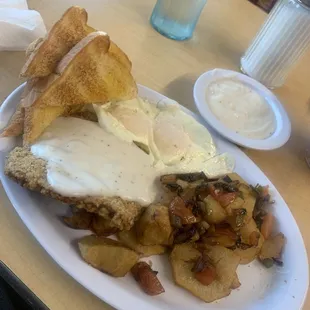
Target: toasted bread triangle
90	74
37	119
116	52
30	120
16	124
15	127
44	55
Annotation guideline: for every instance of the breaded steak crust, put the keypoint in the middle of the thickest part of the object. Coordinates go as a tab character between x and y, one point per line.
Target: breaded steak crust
31	172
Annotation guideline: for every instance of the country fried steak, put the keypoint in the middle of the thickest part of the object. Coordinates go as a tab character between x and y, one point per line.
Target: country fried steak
30	172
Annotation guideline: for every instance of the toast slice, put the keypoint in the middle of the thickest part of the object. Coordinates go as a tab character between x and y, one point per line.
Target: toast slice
16	125
40	118
89	73
120	56
33	89
36	120
44	55
32	47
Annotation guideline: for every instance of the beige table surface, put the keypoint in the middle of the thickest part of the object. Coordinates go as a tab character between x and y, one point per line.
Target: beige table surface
223	33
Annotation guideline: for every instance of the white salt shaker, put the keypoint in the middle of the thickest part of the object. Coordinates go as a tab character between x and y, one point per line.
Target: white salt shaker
283	38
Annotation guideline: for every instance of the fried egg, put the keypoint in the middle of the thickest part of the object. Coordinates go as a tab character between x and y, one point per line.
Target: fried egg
129	120
175	141
179	138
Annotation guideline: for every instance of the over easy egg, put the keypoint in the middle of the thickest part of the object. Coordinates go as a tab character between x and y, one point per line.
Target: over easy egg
173	139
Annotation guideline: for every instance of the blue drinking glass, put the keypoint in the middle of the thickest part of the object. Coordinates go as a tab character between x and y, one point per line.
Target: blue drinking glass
177	19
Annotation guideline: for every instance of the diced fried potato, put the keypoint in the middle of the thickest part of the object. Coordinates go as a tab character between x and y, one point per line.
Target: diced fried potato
183	258
272	247
236	177
107	255
249	203
249	254
212	211
244	189
249	199
267	225
235	205
247	230
236	283
129	238
102	227
220	235
80	219
179	214
154	226
237	214
147	279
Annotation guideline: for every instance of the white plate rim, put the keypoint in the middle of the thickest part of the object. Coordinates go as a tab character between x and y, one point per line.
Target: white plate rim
283	128
128	301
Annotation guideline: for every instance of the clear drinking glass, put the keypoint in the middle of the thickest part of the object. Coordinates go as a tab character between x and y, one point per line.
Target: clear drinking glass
177	19
283	38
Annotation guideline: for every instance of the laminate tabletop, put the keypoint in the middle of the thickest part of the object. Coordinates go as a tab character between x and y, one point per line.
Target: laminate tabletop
223	33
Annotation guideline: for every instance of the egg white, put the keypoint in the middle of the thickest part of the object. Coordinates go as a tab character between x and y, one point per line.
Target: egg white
175	140
129	120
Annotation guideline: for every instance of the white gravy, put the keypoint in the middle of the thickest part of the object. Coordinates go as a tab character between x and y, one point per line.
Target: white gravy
241	109
83	159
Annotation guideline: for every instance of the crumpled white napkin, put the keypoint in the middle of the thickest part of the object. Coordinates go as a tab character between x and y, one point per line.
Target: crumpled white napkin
18	25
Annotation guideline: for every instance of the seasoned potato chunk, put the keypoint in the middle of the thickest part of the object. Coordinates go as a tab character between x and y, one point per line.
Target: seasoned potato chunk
272	248
154	226
129	238
236	177
107	255
250	236
248	197
183	258
147	279
212	211
246	255
236	283
79	219
220	235
102	227
237	214
249	203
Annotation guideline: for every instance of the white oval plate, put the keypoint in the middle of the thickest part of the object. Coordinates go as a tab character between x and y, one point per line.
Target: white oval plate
283	124
276	288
